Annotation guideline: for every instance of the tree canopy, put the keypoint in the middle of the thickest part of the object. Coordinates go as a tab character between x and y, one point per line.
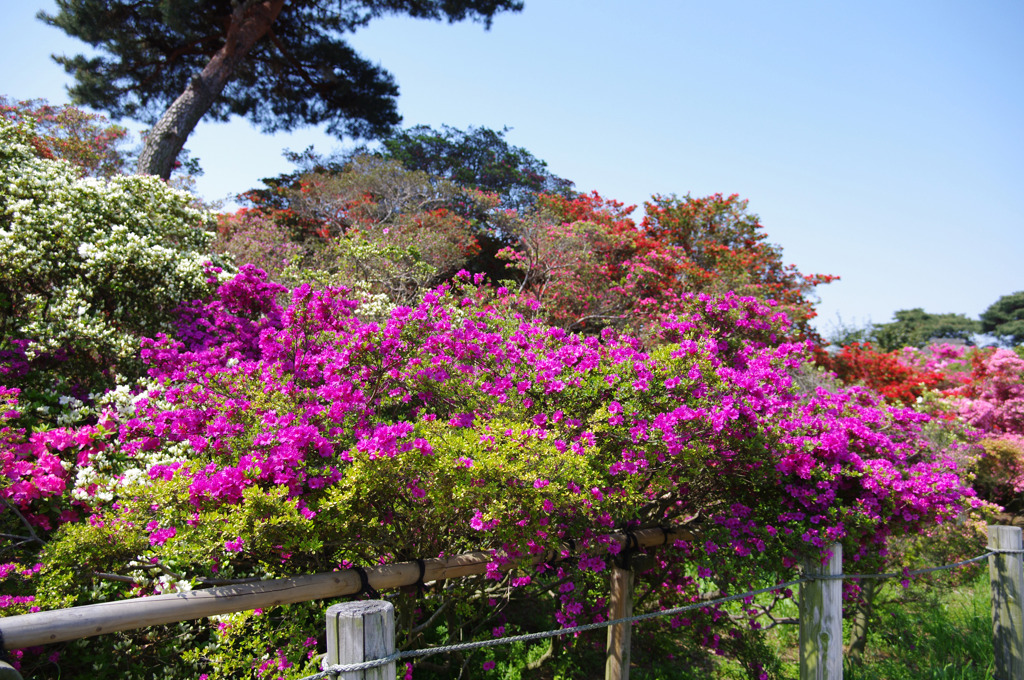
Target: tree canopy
280	63
84	139
916	327
720	246
580	260
479	158
1005	318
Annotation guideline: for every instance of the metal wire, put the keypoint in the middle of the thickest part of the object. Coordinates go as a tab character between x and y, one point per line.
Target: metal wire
913	572
337	669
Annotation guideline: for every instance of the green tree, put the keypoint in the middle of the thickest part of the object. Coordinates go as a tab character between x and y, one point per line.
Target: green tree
479	158
473	160
1005	319
841	333
916	327
467	173
280	63
373	226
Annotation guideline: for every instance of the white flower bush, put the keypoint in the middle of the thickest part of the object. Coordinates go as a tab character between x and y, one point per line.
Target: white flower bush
87	266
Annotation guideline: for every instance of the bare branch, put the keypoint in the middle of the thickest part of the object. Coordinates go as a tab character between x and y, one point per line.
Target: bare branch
32	532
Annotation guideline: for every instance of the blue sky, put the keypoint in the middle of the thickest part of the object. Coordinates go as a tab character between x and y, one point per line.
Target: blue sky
880	141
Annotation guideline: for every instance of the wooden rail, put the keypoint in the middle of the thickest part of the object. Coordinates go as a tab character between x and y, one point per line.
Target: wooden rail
60	625
820	603
821	619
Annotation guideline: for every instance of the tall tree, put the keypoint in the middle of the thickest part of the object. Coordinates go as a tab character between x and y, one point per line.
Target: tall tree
916	327
280	63
723	247
1005	318
478	157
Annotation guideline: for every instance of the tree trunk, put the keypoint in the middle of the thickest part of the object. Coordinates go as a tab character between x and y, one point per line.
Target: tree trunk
249	22
862	622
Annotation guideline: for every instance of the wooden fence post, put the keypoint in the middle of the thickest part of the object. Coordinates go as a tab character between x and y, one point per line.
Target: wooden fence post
361	631
1006	573
821	620
7	672
616	665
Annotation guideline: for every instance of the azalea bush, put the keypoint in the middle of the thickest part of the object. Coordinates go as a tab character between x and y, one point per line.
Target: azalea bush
392	225
86	140
724	248
895	375
992	402
250	237
385	232
279	439
584	264
578	263
975	395
87	267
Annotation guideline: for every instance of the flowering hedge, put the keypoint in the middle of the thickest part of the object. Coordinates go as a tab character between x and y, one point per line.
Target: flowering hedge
977	392
990	398
896	375
282	440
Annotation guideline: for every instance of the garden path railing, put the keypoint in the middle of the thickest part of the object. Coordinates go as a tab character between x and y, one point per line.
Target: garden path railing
361	634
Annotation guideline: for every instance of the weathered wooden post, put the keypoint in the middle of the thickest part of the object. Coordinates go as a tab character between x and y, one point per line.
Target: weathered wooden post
1006	573
361	631
7	672
821	619
616	666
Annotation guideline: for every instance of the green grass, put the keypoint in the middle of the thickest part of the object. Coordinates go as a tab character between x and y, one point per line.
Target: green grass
938	632
930	631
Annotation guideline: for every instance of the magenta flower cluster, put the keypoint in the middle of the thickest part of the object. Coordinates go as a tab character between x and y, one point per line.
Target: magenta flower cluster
524	436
